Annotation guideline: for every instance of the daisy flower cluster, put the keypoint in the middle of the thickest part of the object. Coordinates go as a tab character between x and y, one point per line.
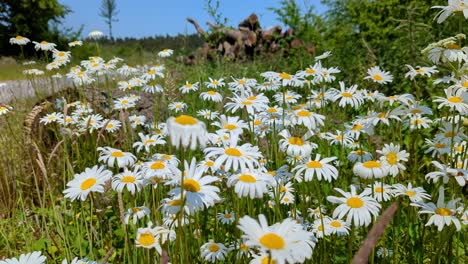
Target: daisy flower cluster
276	169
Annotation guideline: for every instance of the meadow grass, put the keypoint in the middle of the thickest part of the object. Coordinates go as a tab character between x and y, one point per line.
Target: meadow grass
66	186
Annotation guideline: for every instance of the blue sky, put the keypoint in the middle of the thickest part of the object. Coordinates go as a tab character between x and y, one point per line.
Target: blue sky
140	18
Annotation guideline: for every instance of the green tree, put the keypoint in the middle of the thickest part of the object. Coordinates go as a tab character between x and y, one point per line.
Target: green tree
388	33
109	11
30	18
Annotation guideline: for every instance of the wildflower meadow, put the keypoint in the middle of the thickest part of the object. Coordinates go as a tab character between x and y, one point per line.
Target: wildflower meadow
158	163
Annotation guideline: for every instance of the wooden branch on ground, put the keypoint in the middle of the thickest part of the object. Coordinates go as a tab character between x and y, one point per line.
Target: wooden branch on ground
362	256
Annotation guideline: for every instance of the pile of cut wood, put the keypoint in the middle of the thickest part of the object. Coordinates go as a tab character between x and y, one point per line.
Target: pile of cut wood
248	40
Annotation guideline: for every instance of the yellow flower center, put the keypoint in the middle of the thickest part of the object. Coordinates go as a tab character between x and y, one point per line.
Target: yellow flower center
227	215
128	179
247	178
44	42
146	239
241	82
419	70
379	189
296	141
303	113
117	154
185	120
449	134
215	82
360	152
392	158
453	46
440	145
88	183
61	54
191	185
213	247
19	37
335	224
465	84
284	75
371	164
410	193
267	260
314	164
230	126
272	241
175	202
377	77
233	152
346	94
136	209
211	92
247	102
443	211
188	85
355	202
257	122
454	99
310	71
209	163
283	189
272	110
339	137
148	141
158	165
253	97
125	102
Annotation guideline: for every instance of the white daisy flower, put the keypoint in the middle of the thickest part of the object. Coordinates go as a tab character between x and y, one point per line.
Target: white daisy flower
44	45
393	157
227	217
51	118
95	34
111	156
132	180
371	169
35	257
211	96
147	141
318	167
251	183
347	96
233	156
443	214
197	189
415	194
186	130
453	7
382	192
296	146
358	208
286	241
165	53
213	252
215	83
91	180
456	99
136	213
379	76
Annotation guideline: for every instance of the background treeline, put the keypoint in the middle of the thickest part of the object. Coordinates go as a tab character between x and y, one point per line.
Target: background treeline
360	33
